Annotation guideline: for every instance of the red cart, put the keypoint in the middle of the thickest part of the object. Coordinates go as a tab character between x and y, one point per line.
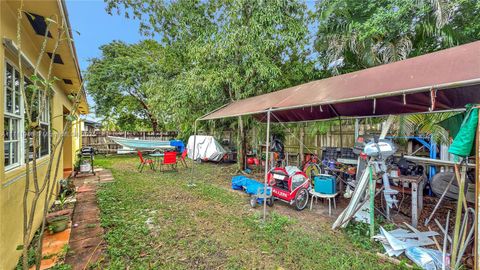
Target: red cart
289	185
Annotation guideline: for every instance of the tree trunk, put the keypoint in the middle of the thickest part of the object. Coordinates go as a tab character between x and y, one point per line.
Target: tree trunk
241	145
151	116
244	147
154	123
153	119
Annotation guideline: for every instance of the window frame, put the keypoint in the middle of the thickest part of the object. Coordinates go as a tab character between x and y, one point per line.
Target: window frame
20	118
44	119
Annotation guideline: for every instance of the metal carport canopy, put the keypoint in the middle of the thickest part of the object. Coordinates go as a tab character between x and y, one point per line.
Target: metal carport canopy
444	80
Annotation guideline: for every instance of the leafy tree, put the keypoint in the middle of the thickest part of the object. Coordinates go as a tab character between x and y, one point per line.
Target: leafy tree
229	50
119	80
353	36
261	48
214	52
424	124
176	21
109	124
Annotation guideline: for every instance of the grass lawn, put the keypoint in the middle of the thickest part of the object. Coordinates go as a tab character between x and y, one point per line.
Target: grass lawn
153	220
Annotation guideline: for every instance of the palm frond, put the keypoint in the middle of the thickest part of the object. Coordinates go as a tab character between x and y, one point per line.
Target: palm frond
424	125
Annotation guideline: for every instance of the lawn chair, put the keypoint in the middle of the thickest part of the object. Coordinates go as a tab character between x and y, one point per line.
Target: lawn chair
183	158
169	158
144	162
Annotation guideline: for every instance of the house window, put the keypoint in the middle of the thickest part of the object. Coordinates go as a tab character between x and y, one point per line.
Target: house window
44	120
14	120
13	117
42	117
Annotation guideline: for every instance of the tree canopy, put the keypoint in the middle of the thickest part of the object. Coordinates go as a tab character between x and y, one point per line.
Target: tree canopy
208	53
353	36
119	82
226	51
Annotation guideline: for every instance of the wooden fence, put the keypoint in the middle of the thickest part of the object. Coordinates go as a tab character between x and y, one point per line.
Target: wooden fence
296	136
337	136
100	141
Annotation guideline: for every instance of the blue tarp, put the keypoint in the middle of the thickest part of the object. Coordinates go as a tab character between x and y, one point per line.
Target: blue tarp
179	144
250	186
238	182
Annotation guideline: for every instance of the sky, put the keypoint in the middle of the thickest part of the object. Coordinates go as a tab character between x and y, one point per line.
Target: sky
97	27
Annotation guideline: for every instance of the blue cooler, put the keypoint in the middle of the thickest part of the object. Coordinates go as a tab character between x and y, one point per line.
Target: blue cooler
325	184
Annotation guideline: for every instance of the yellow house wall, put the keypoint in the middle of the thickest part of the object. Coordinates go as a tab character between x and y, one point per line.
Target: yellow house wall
68	150
77	137
3	217
2	96
12	182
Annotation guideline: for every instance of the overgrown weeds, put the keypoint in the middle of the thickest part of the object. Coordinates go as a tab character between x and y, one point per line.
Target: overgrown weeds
359	233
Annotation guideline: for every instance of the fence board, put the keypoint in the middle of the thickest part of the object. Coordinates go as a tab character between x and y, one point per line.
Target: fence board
315	142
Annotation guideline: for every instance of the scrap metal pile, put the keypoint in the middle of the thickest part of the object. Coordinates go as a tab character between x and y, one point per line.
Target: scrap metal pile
399	241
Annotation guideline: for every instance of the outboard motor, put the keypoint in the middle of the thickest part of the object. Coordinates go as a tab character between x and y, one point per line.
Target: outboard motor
380	150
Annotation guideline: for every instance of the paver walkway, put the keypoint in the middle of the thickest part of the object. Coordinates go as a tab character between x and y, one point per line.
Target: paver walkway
86	240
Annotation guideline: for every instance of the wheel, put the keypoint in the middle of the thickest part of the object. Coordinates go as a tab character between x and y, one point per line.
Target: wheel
301	199
253	201
270	201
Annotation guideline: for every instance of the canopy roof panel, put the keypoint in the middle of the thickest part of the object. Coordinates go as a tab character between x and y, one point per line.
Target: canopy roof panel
443	80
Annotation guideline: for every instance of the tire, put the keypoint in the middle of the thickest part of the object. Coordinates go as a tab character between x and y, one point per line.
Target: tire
253	201
301	199
440	182
270	201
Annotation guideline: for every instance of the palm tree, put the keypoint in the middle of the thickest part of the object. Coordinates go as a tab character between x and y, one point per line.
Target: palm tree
353	36
424	125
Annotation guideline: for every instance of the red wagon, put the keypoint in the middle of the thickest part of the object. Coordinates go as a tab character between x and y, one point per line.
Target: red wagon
289	185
